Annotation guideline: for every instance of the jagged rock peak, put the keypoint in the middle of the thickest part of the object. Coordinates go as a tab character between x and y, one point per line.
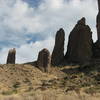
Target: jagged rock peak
61	30
58	51
82	21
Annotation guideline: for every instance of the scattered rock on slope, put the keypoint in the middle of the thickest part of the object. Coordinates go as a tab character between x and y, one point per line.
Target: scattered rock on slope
44	60
80	42
58	51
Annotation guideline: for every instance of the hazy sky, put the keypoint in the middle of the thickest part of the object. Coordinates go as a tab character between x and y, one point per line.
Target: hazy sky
30	25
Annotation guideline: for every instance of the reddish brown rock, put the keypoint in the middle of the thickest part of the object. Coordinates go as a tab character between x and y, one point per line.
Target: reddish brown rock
44	60
11	56
58	51
79	49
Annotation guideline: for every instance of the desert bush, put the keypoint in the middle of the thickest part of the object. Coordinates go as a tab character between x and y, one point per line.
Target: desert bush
16	85
9	92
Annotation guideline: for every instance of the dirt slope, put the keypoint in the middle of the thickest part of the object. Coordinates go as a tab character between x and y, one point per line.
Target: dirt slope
26	82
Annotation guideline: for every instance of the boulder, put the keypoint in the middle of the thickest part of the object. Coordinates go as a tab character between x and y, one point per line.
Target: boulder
11	56
58	51
44	60
79	49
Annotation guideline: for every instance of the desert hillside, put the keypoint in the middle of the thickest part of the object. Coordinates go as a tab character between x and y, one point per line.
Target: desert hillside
26	82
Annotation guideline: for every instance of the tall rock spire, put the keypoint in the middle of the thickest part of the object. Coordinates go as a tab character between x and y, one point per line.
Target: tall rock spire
98	21
96	45
58	51
79	49
99	5
11	56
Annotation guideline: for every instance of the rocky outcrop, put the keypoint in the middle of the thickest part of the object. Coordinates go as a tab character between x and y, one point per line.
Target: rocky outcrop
58	51
11	56
79	49
44	60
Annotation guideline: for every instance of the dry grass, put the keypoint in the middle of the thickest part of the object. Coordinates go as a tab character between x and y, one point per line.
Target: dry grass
53	96
25	82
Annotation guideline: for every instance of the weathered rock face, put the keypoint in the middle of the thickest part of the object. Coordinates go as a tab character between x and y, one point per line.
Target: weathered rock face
80	43
58	51
11	56
44	60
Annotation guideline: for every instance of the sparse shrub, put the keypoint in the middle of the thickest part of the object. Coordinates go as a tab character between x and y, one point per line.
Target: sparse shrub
26	80
9	92
16	85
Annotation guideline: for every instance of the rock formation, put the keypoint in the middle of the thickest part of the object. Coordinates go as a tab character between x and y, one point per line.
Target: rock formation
11	56
96	46
44	60
98	21
96	50
58	51
80	42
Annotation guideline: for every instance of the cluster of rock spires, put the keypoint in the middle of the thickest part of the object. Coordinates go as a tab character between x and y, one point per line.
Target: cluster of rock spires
80	49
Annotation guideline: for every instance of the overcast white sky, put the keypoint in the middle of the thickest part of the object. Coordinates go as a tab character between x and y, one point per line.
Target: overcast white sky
30	25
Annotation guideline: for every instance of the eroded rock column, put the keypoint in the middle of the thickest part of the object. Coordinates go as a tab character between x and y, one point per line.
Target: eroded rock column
58	51
96	45
44	60
98	21
11	56
79	49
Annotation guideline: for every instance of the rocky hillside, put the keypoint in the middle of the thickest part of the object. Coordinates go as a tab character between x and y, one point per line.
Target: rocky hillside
73	76
26	82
